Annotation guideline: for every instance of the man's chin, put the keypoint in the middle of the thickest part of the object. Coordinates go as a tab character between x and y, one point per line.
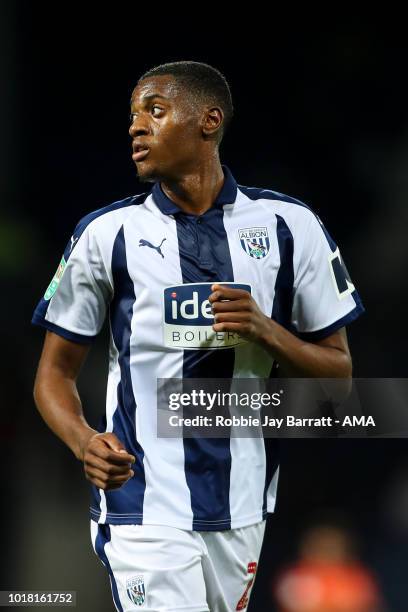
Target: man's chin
147	175
146	179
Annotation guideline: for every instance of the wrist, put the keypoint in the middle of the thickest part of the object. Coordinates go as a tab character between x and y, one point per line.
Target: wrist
267	337
82	440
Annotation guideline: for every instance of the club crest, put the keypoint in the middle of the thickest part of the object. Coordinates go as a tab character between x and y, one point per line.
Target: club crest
255	241
135	589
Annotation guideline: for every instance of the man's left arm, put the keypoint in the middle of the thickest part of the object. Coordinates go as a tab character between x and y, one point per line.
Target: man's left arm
236	310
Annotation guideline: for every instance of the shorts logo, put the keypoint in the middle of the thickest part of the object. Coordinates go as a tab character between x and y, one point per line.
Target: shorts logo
135	589
255	241
188	318
53	286
243	602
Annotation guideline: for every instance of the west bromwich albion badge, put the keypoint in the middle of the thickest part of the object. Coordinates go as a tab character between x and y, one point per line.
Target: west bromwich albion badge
255	241
135	589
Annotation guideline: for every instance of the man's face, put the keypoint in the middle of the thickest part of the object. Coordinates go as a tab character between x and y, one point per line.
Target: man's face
165	129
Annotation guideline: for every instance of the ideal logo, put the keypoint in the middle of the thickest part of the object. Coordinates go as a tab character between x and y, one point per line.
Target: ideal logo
188	319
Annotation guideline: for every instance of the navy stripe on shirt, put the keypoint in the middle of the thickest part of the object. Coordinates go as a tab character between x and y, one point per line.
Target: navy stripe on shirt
130	500
283	298
205	257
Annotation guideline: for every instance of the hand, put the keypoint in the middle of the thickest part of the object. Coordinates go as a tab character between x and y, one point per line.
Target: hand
240	314
107	464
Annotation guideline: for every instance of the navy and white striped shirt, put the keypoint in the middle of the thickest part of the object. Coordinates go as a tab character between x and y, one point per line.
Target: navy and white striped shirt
131	259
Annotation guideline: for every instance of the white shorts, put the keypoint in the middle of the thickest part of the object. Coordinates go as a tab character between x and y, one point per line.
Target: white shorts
163	569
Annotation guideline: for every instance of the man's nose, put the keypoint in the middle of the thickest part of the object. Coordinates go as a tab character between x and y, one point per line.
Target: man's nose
139	127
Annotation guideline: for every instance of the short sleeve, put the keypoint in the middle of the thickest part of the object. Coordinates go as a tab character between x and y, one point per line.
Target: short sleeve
325	298
75	302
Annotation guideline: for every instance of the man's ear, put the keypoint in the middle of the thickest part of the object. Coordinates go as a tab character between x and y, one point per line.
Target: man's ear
211	122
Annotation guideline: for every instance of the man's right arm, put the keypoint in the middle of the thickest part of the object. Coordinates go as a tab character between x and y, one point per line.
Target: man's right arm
107	464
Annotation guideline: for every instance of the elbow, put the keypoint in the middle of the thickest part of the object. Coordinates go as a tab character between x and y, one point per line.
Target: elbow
340	386
347	367
38	389
342	365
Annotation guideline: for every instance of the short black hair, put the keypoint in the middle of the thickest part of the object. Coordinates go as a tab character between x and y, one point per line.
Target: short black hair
203	81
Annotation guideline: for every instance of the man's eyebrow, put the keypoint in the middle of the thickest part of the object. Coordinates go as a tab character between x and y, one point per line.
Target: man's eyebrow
150	96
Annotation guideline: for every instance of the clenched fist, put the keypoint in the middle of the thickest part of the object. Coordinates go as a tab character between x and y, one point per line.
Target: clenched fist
107	464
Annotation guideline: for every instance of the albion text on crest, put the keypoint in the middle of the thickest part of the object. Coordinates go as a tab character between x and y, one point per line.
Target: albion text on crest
135	589
255	241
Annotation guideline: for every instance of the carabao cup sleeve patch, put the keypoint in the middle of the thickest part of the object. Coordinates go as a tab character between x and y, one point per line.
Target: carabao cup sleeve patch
53	286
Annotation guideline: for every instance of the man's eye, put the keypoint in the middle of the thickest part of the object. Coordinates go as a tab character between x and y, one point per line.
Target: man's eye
156	110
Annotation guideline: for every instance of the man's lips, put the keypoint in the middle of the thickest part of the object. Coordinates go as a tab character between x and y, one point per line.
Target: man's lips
139	155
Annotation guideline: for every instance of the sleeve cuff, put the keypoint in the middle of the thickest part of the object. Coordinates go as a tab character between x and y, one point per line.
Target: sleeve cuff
330	329
61	331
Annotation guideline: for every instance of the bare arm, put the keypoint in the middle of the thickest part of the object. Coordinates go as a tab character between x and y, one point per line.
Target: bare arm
236	310
106	462
327	358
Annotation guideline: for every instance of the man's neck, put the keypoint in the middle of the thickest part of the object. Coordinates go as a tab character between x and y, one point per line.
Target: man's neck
197	191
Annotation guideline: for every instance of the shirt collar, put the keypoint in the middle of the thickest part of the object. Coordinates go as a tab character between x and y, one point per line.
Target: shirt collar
227	195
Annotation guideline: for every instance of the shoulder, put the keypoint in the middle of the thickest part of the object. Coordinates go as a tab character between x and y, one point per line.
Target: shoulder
299	216
280	202
111	216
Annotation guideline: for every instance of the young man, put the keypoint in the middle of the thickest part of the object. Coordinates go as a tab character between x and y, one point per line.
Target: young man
179	523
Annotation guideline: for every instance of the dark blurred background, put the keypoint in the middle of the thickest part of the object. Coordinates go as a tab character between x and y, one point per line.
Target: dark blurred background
321	113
